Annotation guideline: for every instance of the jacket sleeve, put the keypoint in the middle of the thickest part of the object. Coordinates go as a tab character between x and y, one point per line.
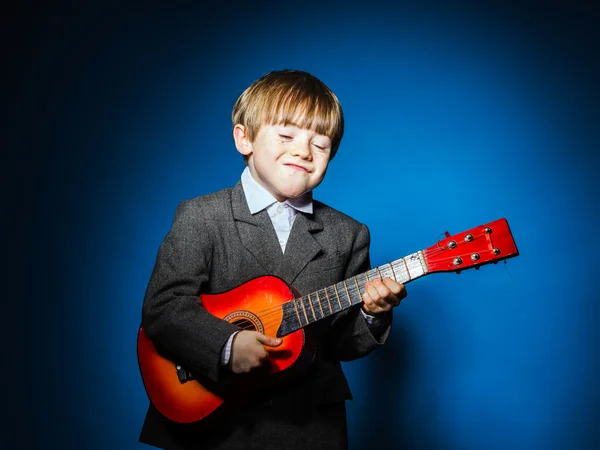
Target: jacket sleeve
350	335
172	315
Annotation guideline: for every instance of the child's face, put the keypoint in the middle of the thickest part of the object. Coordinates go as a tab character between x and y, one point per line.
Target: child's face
286	160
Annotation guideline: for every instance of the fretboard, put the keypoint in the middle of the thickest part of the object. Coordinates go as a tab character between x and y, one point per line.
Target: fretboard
303	311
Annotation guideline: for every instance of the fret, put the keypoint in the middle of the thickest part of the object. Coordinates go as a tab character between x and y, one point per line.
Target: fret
400	269
328	301
297	312
406	266
393	273
353	291
291	320
409	267
331	299
301	300
316	306
347	293
417	265
311	307
385	272
342	294
372	274
361	278
338	297
404	270
357	286
319	302
379	273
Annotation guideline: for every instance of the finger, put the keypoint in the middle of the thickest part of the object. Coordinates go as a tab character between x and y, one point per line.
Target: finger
382	290
396	288
392	285
371	291
269	341
386	298
370	304
381	295
370	307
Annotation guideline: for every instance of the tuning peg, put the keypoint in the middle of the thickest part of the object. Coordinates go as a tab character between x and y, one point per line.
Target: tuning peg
458	272
447	234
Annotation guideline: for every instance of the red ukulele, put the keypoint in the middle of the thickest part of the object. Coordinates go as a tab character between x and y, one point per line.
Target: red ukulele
267	304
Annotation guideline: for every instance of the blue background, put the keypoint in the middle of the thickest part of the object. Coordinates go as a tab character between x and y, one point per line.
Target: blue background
455	116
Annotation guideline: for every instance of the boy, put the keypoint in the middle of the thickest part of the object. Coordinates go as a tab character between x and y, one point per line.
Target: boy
288	126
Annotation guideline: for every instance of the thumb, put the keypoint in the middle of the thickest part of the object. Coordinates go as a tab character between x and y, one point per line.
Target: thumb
268	340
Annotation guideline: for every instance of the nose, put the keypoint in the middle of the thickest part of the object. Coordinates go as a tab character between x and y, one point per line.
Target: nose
302	150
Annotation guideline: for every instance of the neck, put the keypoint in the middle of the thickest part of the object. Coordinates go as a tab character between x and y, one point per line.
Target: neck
313	307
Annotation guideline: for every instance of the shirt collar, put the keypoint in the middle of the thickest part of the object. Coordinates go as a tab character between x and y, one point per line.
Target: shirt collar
259	198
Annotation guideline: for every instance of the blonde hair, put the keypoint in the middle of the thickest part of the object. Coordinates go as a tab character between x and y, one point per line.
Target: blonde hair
290	97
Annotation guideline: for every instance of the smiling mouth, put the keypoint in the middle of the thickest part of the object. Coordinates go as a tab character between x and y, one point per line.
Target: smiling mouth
299	168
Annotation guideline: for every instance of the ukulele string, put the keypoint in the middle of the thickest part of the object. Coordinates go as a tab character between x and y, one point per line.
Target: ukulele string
316	310
441	249
305	315
321	308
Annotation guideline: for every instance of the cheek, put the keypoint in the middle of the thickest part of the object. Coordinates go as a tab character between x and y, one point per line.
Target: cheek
321	163
270	154
261	159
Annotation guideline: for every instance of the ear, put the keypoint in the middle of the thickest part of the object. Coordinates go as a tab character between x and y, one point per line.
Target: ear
242	143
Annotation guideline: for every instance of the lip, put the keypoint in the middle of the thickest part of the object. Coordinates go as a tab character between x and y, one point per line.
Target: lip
297	167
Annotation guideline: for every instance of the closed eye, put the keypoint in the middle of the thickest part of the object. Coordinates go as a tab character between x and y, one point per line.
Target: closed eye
322	147
283	136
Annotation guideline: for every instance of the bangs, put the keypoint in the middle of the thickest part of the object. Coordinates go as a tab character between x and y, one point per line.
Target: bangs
320	114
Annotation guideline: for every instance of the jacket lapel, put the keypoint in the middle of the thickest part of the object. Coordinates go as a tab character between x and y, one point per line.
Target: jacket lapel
256	233
258	236
301	247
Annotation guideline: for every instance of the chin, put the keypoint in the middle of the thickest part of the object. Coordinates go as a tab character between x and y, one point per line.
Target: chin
292	194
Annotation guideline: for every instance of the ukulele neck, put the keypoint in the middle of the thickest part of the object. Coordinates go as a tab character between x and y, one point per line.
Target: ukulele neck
320	304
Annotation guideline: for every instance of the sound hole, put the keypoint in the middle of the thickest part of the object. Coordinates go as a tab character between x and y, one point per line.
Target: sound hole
244	324
245	320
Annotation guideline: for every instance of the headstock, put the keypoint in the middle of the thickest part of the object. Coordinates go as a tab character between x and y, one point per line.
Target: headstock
481	245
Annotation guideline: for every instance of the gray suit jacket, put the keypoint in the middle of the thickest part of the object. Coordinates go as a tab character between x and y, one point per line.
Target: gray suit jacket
214	245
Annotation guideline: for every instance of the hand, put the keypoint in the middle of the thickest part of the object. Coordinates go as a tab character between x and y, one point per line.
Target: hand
248	351
382	295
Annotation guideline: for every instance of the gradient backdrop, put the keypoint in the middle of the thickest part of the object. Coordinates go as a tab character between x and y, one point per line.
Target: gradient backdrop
456	116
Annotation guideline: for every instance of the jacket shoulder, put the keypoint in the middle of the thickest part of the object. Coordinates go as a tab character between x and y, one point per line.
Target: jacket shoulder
210	206
331	215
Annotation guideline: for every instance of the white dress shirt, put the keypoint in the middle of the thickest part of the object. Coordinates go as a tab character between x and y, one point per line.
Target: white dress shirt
282	214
